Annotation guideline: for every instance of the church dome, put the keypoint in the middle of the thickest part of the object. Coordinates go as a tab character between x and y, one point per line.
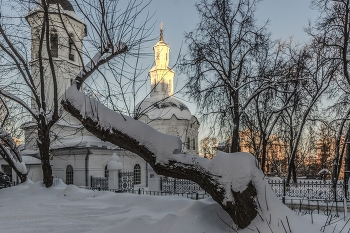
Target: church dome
156	107
65	4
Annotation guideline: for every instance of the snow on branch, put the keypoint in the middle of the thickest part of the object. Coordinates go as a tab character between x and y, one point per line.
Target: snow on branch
10	153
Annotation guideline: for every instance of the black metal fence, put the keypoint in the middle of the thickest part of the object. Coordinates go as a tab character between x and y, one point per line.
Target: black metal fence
126	181
316	190
99	182
322	190
172	185
194	196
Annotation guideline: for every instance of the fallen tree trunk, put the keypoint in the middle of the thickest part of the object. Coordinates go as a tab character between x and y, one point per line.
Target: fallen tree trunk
163	153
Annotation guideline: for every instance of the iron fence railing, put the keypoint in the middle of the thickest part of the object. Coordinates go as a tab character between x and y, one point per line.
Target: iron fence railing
172	185
195	196
99	182
322	190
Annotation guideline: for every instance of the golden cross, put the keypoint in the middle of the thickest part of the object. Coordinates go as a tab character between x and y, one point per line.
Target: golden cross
161	25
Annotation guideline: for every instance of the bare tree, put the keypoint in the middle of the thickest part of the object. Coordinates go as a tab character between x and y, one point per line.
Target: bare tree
32	78
221	65
9	149
208	147
332	31
309	75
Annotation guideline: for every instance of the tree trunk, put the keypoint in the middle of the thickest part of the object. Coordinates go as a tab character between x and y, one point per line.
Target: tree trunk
235	147
264	151
3	152
44	150
242	209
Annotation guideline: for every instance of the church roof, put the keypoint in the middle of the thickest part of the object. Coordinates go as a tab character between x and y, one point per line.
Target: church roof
65	4
156	107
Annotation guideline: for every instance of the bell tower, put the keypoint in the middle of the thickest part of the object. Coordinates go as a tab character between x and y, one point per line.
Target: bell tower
66	33
162	77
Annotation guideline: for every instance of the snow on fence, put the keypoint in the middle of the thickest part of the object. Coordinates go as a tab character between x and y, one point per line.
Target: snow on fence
322	190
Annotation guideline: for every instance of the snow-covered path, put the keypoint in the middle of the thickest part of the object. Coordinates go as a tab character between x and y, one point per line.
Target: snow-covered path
33	208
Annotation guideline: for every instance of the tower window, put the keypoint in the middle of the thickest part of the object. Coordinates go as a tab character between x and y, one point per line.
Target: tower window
137	174
188	146
69	174
54	43
170	87
194	144
106	172
70	47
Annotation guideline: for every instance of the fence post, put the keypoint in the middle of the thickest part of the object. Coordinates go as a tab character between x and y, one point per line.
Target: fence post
174	185
139	191
161	184
284	192
196	196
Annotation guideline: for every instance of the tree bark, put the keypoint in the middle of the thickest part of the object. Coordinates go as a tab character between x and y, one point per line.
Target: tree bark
44	150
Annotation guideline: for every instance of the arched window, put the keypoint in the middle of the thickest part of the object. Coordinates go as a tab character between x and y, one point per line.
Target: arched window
137	174
194	144
35	43
54	43
106	172
69	174
70	47
188	146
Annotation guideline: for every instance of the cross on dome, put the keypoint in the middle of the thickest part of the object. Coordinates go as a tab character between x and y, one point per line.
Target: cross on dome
161	32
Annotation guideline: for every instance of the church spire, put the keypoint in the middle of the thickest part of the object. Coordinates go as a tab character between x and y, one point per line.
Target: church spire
161	38
162	77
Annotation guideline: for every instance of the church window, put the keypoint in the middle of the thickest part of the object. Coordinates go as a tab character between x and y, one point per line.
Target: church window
35	43
137	174
188	146
54	43
194	144
106	172
70	47
69	174
169	86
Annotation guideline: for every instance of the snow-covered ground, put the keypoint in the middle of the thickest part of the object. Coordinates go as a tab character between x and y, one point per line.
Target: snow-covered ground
31	207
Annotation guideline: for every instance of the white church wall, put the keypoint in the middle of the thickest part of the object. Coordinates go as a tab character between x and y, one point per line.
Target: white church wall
35	172
129	160
77	161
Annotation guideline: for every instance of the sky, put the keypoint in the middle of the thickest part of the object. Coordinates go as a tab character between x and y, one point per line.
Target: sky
287	18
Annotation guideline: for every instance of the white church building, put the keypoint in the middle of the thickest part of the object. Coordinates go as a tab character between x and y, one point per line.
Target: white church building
78	157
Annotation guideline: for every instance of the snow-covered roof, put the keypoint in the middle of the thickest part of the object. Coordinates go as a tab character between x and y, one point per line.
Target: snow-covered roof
66	5
156	107
65	8
82	141
30	160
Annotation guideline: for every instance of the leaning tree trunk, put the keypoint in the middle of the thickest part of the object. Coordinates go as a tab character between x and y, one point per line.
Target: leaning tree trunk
242	208
4	155
10	153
